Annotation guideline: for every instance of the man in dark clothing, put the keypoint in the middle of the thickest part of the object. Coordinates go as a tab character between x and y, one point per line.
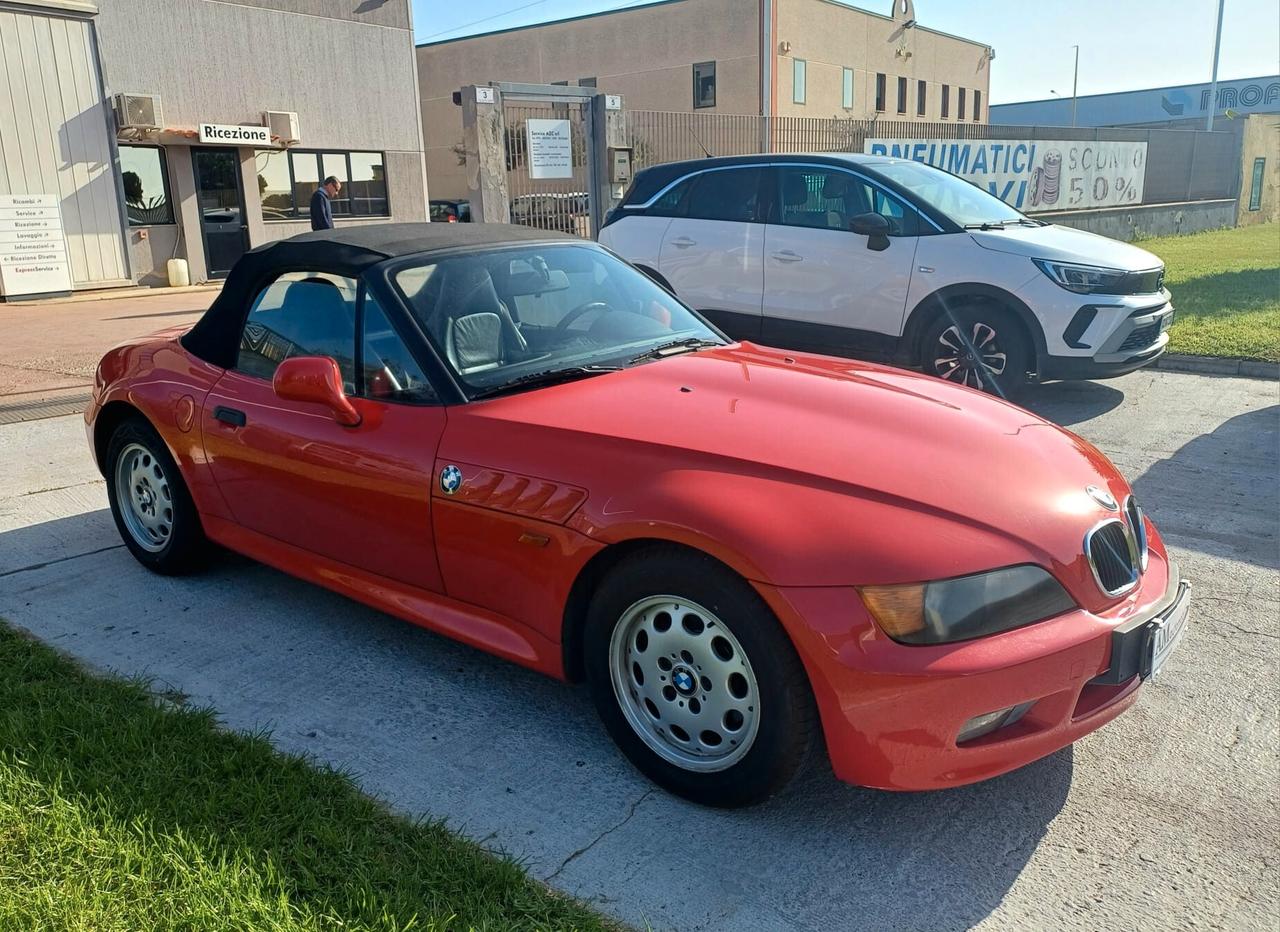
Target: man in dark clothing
321	208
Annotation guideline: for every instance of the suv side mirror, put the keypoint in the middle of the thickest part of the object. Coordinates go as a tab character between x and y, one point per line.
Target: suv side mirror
874	227
316	379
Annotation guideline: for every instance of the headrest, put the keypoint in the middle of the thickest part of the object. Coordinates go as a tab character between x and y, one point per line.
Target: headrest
835	186
795	190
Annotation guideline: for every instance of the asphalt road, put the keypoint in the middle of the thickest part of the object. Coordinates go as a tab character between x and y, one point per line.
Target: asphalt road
1166	818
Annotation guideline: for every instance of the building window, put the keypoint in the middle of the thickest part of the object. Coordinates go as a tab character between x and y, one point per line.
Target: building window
586	82
704	85
959	103
846	93
797	80
946	100
146	186
921	99
902	95
1255	188
369	185
977	105
879	93
288	179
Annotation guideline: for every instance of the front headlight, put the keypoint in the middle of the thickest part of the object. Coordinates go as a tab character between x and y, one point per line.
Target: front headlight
1083	279
966	607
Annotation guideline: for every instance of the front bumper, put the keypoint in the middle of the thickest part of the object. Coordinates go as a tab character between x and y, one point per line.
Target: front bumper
891	713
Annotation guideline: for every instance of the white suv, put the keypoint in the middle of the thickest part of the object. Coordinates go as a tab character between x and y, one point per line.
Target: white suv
860	255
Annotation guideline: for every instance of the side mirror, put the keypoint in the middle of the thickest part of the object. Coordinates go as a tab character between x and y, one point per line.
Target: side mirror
316	379
874	227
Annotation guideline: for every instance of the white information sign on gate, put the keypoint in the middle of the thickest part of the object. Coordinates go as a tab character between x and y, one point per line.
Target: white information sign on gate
33	249
550	148
1034	175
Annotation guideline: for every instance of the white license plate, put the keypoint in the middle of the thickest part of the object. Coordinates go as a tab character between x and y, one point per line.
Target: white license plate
1166	631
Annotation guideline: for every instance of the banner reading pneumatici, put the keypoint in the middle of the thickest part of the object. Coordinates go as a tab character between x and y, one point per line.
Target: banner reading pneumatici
1034	175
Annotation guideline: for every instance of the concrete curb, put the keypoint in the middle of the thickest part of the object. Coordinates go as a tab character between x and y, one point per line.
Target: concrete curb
115	294
1213	365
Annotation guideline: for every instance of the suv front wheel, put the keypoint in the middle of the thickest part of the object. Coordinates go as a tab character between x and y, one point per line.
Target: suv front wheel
979	345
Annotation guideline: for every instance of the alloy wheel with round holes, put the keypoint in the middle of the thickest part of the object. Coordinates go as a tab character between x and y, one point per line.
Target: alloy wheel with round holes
978	346
684	683
150	503
146	499
695	679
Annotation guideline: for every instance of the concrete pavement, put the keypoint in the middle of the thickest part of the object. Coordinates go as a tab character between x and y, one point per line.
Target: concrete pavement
1166	818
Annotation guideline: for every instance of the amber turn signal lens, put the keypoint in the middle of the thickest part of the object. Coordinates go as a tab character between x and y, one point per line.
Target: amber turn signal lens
899	610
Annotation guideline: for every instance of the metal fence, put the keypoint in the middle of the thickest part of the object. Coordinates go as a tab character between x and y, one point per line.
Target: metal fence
561	204
1182	165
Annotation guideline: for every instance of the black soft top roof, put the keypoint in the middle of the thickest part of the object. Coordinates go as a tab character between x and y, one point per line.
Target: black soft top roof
344	251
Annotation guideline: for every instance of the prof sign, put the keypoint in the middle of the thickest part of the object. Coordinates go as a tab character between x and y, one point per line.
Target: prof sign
1034	175
550	148
218	134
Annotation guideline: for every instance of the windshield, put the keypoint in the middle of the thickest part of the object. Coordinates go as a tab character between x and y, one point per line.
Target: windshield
515	316
960	201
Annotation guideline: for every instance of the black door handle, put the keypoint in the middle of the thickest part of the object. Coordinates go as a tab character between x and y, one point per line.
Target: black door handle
230	416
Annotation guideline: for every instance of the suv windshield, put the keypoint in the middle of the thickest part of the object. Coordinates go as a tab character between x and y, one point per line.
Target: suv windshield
517	317
960	201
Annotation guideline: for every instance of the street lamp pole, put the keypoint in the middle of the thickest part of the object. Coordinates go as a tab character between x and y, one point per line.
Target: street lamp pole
1075	85
1213	87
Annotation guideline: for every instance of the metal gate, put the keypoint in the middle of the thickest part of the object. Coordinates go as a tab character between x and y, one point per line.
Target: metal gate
549	158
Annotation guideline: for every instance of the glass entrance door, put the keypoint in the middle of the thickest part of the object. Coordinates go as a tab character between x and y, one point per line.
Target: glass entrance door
221	200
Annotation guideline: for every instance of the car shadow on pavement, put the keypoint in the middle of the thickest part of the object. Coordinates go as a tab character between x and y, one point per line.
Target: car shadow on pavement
519	761
1218	493
1068	403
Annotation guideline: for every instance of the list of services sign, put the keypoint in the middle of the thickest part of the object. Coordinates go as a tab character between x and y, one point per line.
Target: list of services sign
1034	175
550	149
33	249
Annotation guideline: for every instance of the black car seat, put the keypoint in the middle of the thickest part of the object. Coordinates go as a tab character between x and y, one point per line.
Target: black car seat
470	322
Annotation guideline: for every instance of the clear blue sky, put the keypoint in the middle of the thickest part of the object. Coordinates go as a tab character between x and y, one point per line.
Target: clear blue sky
1124	44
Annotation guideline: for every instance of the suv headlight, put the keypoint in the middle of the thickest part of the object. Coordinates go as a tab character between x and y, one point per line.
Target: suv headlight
1083	279
966	607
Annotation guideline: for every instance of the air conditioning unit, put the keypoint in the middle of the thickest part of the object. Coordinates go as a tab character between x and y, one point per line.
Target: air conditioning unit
283	125
137	111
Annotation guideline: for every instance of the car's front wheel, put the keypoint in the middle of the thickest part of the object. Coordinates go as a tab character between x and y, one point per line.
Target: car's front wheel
696	680
150	503
979	345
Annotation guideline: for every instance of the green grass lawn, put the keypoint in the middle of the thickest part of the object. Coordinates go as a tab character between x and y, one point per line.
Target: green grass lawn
124	810
1226	291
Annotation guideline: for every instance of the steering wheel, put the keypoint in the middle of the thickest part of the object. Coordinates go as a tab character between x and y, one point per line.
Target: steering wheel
567	320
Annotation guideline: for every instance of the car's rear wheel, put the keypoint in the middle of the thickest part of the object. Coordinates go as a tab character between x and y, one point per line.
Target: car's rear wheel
979	345
152	508
696	680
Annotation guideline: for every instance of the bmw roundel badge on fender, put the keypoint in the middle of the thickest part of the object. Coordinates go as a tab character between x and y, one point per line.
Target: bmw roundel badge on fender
450	479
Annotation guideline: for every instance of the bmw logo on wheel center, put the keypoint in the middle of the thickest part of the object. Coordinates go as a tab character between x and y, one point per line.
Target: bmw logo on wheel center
683	680
450	479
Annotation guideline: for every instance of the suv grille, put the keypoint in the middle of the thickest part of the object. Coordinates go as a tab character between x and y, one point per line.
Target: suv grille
1148	282
1113	555
1141	337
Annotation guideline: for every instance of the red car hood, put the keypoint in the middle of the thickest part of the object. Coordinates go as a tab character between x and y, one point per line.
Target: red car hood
861	431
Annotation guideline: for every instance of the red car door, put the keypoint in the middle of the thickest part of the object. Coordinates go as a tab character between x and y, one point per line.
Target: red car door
288	470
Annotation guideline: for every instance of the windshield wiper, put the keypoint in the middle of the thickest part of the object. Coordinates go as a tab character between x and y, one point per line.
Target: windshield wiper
675	347
540	379
987	225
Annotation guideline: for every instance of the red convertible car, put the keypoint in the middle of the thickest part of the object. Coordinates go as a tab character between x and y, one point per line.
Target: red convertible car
512	437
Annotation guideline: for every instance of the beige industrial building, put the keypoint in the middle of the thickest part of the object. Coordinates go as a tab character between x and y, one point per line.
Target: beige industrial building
787	58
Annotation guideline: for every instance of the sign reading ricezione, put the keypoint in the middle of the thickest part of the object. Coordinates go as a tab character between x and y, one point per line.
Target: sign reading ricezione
1033	175
550	148
33	249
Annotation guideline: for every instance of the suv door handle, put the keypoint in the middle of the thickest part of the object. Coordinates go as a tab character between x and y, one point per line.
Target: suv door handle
683	242
788	256
232	416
